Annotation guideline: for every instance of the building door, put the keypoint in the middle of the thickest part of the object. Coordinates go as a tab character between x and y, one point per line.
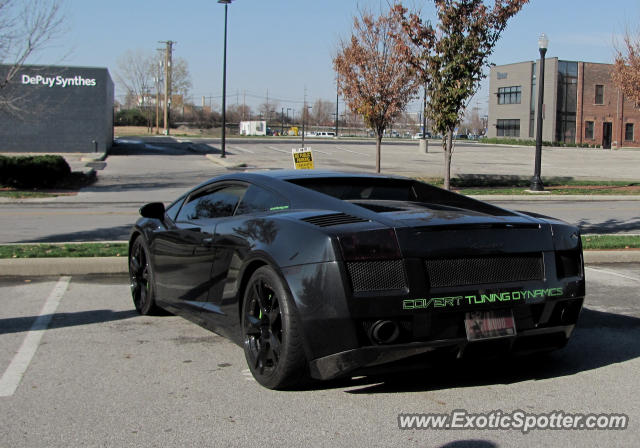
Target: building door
606	135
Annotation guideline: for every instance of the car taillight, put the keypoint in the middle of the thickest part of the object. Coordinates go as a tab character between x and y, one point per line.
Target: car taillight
372	245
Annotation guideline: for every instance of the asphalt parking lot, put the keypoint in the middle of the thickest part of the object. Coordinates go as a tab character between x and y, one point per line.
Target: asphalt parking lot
91	372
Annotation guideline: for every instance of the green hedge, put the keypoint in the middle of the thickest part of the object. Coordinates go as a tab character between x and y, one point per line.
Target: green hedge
45	171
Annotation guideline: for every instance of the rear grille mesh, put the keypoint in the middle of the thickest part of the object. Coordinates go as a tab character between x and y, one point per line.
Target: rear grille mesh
333	219
481	270
377	275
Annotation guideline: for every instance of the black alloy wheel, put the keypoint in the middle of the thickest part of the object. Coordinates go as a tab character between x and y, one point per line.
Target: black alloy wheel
271	343
141	278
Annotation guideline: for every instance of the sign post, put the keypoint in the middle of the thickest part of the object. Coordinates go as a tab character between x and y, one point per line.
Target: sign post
302	158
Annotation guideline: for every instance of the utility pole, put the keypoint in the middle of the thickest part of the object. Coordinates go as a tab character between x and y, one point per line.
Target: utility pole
158	79
167	82
337	98
304	111
268	111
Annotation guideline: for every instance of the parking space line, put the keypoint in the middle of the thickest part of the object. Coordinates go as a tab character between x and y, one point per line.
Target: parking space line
238	148
276	149
321	152
605	271
20	362
348	150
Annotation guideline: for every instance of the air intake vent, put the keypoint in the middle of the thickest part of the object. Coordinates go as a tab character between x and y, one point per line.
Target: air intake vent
333	219
377	275
483	270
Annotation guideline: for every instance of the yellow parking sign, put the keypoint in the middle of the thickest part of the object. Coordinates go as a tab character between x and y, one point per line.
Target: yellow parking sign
302	158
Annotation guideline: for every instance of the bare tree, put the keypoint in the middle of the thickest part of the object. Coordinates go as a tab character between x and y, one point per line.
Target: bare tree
455	56
626	69
180	77
269	110
237	113
373	77
476	122
26	27
321	113
136	72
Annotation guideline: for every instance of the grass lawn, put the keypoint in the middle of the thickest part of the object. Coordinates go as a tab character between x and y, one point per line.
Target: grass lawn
601	242
18	194
63	250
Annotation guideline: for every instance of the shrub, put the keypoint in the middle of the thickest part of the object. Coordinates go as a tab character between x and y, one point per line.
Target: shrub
33	171
131	117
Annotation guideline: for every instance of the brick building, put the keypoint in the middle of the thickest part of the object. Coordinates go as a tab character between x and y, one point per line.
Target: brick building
581	104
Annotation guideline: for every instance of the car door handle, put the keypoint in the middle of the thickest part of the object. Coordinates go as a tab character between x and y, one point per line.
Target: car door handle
207	241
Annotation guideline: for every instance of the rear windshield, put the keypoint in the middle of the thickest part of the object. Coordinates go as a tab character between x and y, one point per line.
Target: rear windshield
389	189
355	188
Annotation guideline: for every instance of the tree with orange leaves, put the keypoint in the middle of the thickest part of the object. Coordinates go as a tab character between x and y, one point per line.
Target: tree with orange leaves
626	69
373	76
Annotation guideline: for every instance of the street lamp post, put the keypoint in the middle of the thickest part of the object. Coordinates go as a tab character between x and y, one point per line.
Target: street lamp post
536	180
224	79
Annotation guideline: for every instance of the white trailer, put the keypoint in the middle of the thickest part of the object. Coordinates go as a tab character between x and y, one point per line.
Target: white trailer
253	128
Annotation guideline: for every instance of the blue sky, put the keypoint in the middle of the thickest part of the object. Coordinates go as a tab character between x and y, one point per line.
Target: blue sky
283	46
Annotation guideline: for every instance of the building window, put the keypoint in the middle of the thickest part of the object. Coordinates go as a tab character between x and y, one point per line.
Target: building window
628	132
599	94
532	109
508	128
509	95
588	130
567	102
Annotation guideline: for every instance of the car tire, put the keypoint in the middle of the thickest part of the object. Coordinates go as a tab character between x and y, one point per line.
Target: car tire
141	278
272	343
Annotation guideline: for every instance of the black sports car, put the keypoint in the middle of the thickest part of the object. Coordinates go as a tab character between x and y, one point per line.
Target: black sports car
328	274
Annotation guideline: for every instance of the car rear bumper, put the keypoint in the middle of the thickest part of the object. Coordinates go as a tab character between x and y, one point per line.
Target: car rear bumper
362	359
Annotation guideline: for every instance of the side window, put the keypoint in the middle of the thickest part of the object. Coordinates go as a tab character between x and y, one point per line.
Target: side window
212	204
259	200
172	211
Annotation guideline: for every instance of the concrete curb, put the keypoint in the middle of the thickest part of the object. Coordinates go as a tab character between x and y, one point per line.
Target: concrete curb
34	267
97	157
611	256
224	162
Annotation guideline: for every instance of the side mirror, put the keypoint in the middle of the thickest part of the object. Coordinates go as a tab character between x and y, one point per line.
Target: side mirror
154	210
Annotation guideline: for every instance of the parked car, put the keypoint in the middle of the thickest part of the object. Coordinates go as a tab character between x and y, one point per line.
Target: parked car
327	274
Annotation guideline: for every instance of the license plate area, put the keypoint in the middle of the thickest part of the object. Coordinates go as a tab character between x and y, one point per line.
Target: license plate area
481	325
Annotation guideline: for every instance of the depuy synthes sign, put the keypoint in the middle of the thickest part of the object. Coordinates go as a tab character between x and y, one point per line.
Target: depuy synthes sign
57	109
58	81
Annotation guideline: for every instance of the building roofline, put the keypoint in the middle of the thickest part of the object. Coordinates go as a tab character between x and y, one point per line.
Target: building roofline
56	66
555	57
518	63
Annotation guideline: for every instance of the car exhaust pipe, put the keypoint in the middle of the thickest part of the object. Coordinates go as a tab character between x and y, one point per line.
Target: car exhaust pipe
384	332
